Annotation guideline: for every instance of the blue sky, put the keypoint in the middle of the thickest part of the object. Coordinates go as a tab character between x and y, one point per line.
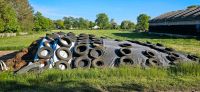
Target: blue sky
117	9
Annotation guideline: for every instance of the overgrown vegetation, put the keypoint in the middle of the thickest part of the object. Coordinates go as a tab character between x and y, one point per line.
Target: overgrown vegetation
184	77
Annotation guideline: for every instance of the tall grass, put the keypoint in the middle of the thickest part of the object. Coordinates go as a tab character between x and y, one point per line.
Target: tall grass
181	77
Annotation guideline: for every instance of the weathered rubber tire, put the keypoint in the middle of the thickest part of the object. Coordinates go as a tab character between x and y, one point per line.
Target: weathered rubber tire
65	63
160	45
67	51
50	53
82	62
98	63
193	57
148	54
71	34
81	49
153	62
65	42
97	52
125	45
169	49
125	51
126	60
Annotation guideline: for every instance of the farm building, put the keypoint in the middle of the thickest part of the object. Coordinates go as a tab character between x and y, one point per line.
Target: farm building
182	22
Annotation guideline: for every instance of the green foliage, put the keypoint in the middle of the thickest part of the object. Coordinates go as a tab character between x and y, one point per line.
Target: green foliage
24	14
76	23
8	18
102	21
42	23
70	22
142	22
83	24
91	24
113	24
59	24
126	24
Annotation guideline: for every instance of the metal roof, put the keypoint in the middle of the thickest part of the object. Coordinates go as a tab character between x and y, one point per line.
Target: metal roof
187	16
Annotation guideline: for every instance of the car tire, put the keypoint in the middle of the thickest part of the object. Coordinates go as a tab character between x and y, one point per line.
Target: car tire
48	53
64	56
62	65
98	63
82	62
126	60
125	51
65	42
81	49
97	52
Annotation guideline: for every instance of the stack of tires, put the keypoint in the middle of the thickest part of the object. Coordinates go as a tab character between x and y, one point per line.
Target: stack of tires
66	51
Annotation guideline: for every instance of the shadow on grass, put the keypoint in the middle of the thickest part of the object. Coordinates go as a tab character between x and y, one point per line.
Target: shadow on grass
126	88
34	86
144	35
55	83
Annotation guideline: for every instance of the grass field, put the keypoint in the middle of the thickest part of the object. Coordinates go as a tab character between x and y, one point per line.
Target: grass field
184	77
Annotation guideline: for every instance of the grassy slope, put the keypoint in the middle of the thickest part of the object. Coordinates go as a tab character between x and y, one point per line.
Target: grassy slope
185	77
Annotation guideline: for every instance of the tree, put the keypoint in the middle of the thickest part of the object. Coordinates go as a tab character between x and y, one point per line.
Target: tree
113	24
59	24
83	23
8	18
24	14
42	23
126	24
142	22
91	24
102	21
70	22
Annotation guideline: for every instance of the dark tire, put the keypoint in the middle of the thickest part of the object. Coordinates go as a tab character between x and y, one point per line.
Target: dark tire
97	52
169	49
66	55
82	62
62	65
81	49
98	63
153	62
126	60
45	55
171	58
125	51
125	45
193	57
66	42
160	45
148	54
71	34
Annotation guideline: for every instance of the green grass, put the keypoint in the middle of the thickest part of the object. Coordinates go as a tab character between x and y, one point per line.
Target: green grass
184	77
180	78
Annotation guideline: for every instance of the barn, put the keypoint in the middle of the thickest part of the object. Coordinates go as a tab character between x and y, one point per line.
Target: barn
182	22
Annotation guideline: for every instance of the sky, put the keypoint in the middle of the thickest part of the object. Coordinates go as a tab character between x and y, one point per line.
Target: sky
117	9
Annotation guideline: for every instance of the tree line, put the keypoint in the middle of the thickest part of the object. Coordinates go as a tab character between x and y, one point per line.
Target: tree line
19	16
103	22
